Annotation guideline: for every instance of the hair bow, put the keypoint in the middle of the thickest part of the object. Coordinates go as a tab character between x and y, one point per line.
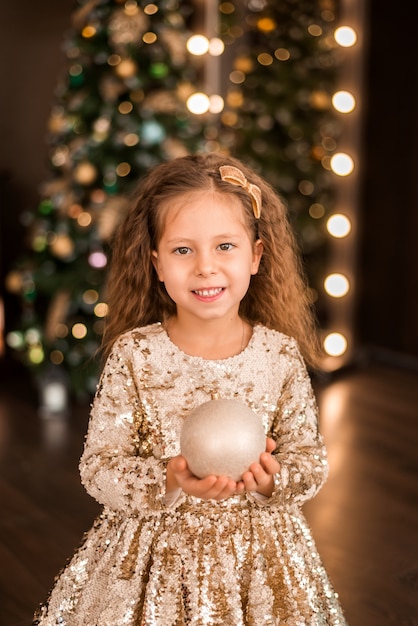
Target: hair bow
233	175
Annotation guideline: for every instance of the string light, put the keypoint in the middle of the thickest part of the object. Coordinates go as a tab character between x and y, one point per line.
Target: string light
149	38
337	285
198	45
84	219
131	7
339	225
15	340
98	260
335	344
342	164
343	101
101	309
36	355
79	331
198	103
216	103
345	36
56	357
337	341
88	31
150	9
216	47
90	296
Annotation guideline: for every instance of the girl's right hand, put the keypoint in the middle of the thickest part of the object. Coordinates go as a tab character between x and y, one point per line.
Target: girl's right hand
209	488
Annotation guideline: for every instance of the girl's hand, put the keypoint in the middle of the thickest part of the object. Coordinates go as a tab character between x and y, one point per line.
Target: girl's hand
260	475
209	488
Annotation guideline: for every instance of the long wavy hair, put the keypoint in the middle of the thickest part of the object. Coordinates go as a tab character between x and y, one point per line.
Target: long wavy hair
278	295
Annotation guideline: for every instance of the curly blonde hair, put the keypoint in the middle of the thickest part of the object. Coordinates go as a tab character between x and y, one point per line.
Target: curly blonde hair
278	295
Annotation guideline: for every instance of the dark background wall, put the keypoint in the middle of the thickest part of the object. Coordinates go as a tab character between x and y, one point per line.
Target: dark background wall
387	321
31	35
388	259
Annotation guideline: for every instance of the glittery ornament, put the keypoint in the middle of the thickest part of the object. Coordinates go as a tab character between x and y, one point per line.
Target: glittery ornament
222	437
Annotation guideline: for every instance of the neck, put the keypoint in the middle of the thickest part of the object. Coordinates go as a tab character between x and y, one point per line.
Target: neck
212	339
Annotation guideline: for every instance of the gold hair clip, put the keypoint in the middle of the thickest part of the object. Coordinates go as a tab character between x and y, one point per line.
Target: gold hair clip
231	174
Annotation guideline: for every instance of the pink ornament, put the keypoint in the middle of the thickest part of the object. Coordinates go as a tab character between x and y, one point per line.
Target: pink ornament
222	437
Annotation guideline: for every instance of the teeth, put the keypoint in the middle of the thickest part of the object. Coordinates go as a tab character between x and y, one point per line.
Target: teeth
205	293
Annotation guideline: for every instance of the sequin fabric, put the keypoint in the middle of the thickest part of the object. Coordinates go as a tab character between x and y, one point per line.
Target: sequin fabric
241	561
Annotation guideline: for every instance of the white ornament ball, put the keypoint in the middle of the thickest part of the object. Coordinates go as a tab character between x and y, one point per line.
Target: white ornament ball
222	438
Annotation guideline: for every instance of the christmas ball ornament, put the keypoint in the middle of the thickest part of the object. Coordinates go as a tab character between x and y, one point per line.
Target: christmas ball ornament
223	438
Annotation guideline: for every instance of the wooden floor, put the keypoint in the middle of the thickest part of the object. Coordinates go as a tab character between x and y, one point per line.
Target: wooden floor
365	520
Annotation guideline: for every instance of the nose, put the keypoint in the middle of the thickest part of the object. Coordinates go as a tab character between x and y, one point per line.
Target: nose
206	263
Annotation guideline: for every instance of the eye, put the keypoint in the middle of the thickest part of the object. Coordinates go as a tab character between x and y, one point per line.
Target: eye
182	250
226	246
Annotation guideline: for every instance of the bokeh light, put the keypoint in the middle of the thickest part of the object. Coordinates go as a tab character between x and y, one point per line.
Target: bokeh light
342	164
345	36
79	331
336	285
338	225
198	103
335	344
343	101
197	45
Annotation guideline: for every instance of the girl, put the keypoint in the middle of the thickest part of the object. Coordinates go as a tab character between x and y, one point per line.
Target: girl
206	300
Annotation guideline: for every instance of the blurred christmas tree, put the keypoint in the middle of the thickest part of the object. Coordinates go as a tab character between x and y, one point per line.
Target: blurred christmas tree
123	107
278	108
119	109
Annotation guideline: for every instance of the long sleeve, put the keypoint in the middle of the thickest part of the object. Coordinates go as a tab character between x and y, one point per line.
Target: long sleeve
119	467
300	448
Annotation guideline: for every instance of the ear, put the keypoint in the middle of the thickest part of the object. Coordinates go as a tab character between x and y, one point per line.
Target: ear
258	249
157	266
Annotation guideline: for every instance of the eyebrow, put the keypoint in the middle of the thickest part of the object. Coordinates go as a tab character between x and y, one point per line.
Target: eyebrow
219	236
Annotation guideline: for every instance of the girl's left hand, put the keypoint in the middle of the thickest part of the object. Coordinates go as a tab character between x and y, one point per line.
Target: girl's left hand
260	475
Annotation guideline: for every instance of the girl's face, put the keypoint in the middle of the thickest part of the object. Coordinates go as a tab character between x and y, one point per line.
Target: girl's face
205	256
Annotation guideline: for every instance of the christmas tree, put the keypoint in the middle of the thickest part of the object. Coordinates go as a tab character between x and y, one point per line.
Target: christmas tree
278	109
123	106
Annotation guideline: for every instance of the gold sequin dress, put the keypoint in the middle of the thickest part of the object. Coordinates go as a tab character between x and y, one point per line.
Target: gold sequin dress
152	561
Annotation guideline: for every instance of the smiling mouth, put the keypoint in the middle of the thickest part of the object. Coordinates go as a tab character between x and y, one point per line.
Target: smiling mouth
208	293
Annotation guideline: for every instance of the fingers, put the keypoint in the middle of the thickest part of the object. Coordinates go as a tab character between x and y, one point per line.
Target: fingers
270	445
269	463
260	475
209	488
249	478
178	464
258	478
221	489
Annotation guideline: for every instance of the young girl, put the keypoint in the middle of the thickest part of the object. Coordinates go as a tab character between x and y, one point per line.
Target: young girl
206	301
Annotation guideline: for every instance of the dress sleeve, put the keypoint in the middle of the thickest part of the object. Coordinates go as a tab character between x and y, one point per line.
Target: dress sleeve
300	448
117	467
